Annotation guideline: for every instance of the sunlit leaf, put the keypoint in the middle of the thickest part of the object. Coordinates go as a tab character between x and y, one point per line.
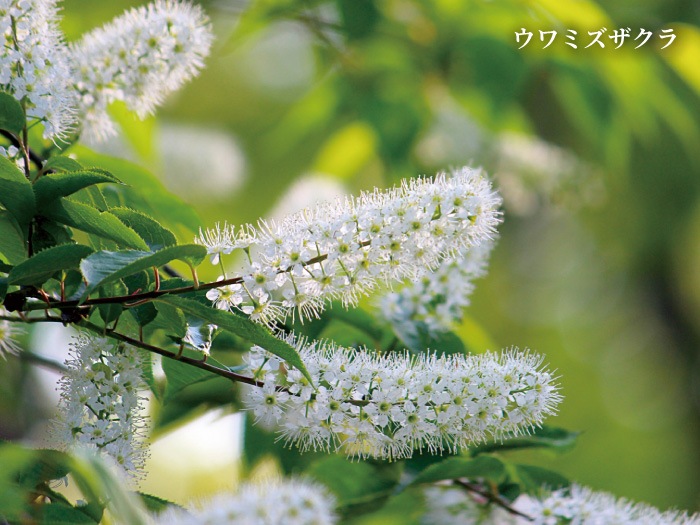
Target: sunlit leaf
90	220
105	267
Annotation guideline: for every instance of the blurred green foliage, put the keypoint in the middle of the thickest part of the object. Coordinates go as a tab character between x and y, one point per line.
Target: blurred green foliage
367	92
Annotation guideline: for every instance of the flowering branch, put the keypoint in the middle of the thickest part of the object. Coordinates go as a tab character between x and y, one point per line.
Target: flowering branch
140	298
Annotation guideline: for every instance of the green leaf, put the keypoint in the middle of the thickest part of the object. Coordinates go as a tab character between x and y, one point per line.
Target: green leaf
534	479
98	483
356	482
149	378
47	234
144	313
484	467
46	466
144	190
12	116
169	319
358	318
181	375
12	246
105	267
554	438
156	504
418	338
62	514
16	193
240	326
3	288
62	163
150	230
111	312
359	17
43	265
88	219
55	186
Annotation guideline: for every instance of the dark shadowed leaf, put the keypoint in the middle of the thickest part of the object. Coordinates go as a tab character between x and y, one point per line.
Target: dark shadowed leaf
483	467
240	326
11	114
13	249
16	193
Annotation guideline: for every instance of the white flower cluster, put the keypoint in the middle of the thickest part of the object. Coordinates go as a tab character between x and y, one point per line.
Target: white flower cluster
342	249
138	58
436	300
100	407
284	502
388	406
450	505
587	507
8	332
34	65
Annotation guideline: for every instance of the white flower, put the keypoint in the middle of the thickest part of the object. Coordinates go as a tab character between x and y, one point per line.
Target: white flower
226	297
34	64
388	406
8	332
283	502
437	299
100	407
343	249
138	58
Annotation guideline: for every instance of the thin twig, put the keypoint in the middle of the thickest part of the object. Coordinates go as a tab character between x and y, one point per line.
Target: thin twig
40	360
492	498
198	363
33	155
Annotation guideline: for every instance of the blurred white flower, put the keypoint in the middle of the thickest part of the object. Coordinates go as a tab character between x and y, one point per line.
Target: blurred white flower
8	334
293	501
199	161
139	58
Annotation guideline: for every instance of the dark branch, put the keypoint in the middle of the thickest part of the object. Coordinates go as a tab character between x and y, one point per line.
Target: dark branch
492	498
33	155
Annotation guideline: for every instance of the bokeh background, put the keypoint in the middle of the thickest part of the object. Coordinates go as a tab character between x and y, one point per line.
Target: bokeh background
596	152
